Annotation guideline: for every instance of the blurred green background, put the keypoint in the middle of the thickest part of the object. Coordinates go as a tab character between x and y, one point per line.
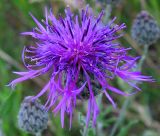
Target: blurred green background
143	114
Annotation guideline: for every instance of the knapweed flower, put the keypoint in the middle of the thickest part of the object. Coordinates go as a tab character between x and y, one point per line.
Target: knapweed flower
32	116
80	55
145	29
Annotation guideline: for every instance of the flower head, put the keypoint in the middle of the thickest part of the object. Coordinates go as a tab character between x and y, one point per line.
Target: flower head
32	116
145	30
81	56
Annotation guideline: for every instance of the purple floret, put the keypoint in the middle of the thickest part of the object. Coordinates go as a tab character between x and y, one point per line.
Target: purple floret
76	46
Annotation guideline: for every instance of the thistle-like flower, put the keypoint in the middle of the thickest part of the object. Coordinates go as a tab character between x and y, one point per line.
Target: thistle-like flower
80	54
32	116
145	30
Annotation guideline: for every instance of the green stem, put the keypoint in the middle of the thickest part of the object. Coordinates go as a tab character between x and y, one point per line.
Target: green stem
85	131
38	134
146	47
143	4
129	99
99	124
108	11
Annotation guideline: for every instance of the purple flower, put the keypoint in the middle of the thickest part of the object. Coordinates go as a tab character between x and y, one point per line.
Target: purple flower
75	46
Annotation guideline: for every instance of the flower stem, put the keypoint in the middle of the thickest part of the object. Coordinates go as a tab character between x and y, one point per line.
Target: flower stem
38	134
143	4
146	47
129	99
99	124
85	131
108	10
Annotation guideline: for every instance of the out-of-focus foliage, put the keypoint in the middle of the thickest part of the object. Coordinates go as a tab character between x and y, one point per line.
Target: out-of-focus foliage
142	117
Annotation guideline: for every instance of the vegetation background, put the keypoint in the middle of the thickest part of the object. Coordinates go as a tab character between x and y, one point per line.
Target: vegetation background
142	117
